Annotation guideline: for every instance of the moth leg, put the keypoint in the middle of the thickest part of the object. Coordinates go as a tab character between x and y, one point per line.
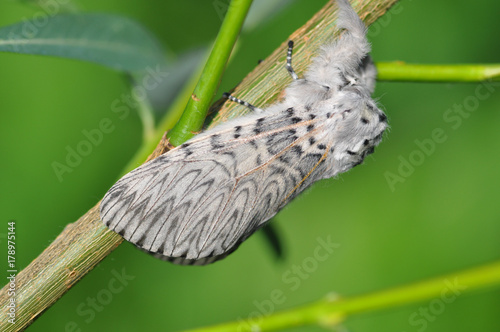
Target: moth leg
289	61
242	102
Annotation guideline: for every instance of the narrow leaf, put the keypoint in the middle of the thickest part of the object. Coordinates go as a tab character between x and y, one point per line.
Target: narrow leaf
114	41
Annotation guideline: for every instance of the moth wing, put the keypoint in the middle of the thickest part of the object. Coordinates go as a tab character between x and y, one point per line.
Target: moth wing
197	203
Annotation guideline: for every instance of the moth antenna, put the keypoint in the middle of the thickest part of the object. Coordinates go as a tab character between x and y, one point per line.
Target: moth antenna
241	102
289	61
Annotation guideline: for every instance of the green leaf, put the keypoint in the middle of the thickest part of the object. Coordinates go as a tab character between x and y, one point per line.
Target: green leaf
113	41
52	6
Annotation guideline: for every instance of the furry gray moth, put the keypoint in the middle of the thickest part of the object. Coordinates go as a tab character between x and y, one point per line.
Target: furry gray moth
198	202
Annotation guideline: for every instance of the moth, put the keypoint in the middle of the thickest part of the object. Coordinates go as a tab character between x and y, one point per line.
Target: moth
198	202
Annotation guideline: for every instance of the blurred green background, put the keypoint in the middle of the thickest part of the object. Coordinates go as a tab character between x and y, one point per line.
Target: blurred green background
440	217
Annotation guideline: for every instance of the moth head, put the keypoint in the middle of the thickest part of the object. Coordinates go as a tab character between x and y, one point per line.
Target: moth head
361	127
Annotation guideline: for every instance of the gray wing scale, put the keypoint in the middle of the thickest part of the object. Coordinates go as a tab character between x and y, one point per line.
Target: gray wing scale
198	202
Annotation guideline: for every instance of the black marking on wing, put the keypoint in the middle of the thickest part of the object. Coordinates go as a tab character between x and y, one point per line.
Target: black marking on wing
193	209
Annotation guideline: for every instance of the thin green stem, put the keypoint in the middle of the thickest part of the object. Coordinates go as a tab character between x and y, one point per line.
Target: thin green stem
193	117
167	122
400	71
329	312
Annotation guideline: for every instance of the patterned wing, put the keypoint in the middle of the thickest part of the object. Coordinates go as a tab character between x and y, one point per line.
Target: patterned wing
198	202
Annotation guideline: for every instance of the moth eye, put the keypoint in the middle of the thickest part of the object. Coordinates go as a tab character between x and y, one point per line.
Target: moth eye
382	117
370	150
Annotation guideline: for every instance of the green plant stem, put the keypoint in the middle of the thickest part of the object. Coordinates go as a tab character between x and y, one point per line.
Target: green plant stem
184	119
403	72
167	122
330	312
196	110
